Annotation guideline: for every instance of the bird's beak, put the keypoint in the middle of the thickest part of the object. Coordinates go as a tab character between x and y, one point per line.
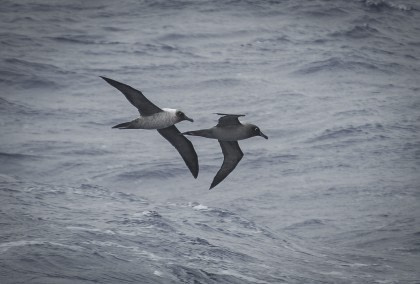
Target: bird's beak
189	119
263	135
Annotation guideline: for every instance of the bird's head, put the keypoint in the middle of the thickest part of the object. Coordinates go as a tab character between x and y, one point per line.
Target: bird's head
181	116
256	131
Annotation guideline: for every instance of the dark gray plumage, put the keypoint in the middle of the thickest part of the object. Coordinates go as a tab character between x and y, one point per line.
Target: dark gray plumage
184	147
163	120
228	131
135	97
232	154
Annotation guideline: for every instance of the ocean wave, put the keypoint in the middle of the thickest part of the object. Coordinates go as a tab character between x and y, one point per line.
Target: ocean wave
316	10
270	43
28	74
83	39
153	223
43	7
114	29
183	37
357	32
162	50
355	113
384	4
198	241
13	39
23	243
23	80
8	157
239	226
313	223
177	240
7	106
185	274
35	67
266	159
79	39
155	172
220	82
335	64
85	151
171	5
350	132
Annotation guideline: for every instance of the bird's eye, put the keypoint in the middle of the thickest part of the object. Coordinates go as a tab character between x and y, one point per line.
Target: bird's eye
256	129
180	113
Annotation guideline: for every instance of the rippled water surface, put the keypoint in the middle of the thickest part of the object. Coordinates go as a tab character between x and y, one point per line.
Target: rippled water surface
331	197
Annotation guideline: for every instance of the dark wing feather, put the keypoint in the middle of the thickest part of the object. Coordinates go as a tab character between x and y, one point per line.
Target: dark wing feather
184	147
135	97
229	119
232	155
218	113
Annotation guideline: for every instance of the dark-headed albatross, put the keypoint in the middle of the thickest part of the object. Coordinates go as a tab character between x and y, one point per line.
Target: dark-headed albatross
163	120
228	131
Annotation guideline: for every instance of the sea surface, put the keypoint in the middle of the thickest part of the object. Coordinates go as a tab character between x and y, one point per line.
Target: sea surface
333	196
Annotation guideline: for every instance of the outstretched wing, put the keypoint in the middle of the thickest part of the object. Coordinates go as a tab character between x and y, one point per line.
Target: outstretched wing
229	119
135	97
232	155
184	147
218	113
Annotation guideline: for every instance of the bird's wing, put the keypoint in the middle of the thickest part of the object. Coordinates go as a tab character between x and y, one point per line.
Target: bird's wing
135	97
184	147
232	155
229	119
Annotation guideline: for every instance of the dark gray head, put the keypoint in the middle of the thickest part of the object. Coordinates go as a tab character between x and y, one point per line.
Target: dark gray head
181	116
255	131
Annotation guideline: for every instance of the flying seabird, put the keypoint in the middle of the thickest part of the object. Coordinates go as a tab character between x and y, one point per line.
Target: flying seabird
228	131
163	120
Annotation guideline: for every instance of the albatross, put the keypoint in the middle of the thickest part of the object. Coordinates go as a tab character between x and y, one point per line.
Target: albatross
228	131
161	119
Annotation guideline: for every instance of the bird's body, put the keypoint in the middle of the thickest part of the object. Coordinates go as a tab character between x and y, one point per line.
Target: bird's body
163	120
228	131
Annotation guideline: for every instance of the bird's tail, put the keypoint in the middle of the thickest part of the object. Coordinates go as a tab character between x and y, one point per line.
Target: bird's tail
125	125
203	132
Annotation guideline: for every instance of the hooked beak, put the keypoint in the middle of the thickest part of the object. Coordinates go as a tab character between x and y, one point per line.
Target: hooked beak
189	119
263	135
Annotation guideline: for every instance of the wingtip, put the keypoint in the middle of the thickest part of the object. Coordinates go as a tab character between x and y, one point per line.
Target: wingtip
218	113
213	185
194	171
195	168
107	79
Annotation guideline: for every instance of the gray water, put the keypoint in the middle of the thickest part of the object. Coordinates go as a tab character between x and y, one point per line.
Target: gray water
331	197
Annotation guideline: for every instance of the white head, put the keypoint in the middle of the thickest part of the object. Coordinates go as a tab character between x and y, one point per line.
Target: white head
178	113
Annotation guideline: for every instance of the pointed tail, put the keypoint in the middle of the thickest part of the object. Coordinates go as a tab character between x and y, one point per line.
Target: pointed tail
125	125
203	132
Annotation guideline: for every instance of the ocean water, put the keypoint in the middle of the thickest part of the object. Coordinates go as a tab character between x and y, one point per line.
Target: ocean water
331	197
